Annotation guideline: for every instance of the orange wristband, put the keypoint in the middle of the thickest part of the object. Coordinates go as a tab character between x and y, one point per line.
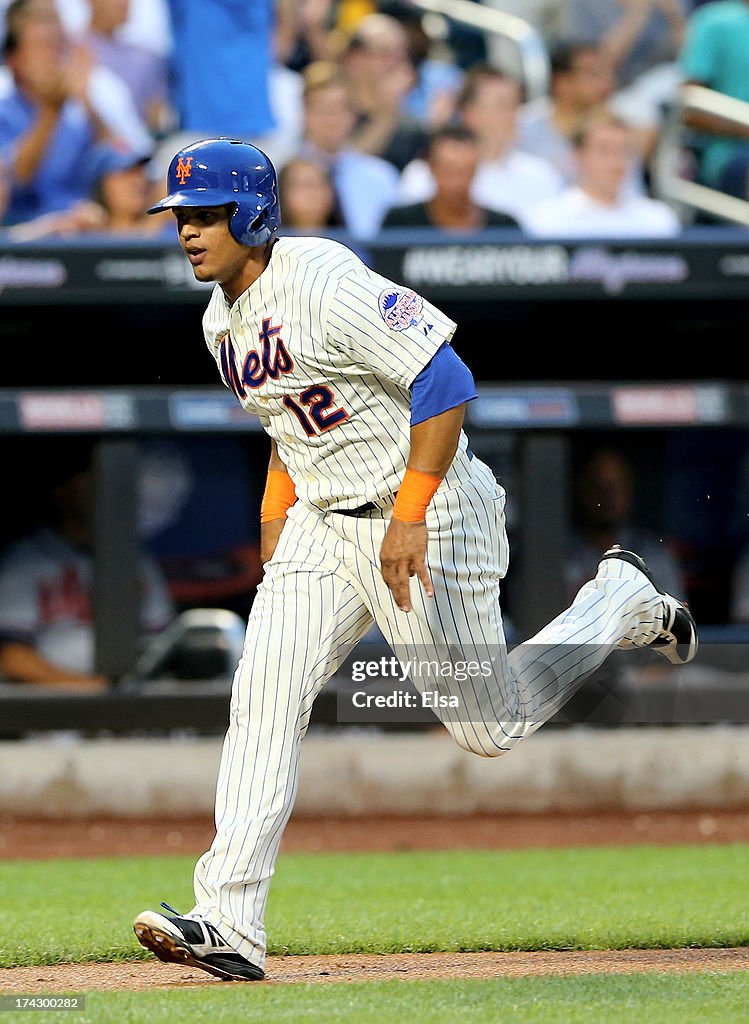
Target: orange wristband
279	495
414	495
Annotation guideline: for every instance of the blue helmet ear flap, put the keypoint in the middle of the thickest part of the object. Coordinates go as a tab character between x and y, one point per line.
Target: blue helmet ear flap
215	172
253	223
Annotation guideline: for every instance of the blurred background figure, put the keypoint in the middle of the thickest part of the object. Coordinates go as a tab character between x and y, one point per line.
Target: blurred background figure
642	39
366	185
47	581
144	71
308	198
438	75
54	115
544	15
605	513
380	76
148	24
600	205
507	179
581	81
739	590
222	88
306	31
637	35
123	192
243	90
452	158
716	55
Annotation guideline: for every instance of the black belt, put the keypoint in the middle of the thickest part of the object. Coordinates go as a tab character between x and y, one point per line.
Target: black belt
370	506
360	511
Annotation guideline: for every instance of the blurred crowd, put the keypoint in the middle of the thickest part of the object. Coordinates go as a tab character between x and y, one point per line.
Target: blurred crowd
376	114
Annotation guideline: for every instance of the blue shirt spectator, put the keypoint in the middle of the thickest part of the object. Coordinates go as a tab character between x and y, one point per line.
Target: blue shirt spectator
51	128
223	91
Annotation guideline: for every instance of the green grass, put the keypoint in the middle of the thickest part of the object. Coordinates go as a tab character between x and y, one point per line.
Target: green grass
699	998
67	910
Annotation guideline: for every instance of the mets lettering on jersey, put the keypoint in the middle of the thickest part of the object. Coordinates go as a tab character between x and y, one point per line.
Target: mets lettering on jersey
324	351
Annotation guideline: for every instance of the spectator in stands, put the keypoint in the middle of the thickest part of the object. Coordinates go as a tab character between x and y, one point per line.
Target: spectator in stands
543	17
123	191
144	72
604	513
81	218
600	204
308	197
244	91
148	24
106	92
507	179
452	158
305	32
438	78
716	55
642	39
228	93
366	185
46	587
51	129
637	35
380	76
581	80
84	215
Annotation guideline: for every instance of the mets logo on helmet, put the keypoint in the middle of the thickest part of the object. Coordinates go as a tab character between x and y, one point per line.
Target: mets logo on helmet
400	308
184	169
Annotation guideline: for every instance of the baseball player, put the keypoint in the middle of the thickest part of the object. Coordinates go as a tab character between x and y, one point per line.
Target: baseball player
374	511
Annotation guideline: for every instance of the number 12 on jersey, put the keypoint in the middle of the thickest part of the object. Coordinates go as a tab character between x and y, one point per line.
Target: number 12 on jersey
318	399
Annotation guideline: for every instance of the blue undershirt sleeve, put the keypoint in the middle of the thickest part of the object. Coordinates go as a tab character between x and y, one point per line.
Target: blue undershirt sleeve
444	383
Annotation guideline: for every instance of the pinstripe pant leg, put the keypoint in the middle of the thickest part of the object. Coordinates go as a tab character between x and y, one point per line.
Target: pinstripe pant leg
304	621
467	558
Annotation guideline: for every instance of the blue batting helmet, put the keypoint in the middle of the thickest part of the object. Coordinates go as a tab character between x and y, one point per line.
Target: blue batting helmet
218	171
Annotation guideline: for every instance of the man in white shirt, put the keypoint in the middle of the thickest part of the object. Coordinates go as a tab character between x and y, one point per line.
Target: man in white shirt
599	205
508	179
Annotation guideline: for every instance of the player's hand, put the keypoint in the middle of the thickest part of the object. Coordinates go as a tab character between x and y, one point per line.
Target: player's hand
269	534
403	555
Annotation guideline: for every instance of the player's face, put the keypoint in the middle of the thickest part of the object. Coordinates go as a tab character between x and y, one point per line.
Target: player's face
213	252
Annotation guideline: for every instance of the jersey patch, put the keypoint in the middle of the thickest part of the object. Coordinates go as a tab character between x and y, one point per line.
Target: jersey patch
400	308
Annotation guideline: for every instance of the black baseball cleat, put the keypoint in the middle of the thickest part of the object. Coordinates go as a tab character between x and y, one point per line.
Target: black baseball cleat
677	641
193	942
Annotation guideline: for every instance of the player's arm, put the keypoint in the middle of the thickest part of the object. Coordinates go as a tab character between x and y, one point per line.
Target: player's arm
438	402
278	497
22	664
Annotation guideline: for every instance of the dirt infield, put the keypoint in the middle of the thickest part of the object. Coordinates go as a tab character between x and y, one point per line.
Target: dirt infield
104	837
284	970
107	837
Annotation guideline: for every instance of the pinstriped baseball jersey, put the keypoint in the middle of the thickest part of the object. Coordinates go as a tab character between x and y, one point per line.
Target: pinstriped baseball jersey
324	350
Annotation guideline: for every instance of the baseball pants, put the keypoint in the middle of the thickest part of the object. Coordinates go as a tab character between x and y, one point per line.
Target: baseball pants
321	593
